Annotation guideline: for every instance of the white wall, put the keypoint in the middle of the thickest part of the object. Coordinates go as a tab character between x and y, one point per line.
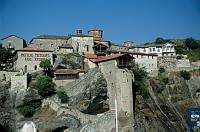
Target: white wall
31	59
149	62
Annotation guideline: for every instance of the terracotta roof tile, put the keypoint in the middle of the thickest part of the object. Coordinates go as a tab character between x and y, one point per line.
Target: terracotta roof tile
104	58
89	56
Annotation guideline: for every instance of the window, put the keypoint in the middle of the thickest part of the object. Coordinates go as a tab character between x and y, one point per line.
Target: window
154	49
87	46
25	68
9	44
150	49
141	56
144	50
35	67
51	45
158	49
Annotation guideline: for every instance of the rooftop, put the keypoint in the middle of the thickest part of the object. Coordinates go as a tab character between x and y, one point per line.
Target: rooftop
11	36
50	37
31	47
95	58
67	71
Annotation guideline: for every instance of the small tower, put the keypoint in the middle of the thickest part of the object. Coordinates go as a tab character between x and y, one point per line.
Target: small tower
98	33
128	43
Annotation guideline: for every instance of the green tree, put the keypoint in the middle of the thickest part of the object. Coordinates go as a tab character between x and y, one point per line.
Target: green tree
63	96
191	43
5	57
185	74
28	108
140	76
47	67
45	64
45	86
159	40
161	70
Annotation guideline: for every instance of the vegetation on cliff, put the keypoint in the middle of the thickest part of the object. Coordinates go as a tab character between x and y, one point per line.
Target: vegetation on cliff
45	86
140	76
5	57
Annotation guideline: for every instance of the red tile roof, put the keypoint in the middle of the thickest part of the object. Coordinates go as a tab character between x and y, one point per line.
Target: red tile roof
89	55
102	58
32	48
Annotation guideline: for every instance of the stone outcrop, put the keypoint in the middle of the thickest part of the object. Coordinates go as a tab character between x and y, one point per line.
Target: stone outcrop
7	122
166	110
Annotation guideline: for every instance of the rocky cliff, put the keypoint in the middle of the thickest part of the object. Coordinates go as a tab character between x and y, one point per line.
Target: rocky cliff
166	109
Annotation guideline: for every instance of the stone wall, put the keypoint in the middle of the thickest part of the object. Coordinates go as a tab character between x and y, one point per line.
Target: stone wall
19	82
149	62
83	44
119	85
31	60
6	76
183	63
167	62
49	44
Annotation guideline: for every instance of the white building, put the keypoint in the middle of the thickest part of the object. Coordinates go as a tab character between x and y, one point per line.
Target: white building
28	59
167	49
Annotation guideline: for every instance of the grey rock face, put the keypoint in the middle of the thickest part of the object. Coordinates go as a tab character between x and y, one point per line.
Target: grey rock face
6	112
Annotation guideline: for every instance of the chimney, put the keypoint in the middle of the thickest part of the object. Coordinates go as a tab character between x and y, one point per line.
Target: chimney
79	32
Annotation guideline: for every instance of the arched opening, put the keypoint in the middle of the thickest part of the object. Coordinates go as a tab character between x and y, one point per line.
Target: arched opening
35	67
25	68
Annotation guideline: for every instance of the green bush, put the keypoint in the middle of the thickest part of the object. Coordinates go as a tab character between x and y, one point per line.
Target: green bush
161	70
185	74
140	76
165	80
45	86
28	108
63	96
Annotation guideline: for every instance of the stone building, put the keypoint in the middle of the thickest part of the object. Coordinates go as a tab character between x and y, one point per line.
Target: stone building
119	79
167	49
147	61
28	59
65	49
81	43
13	43
49	42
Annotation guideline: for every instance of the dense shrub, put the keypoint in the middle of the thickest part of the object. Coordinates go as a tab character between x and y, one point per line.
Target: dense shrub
165	80
140	76
161	70
45	86
185	74
28	108
63	96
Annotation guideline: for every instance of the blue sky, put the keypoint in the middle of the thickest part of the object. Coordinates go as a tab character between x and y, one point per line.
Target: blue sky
121	20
